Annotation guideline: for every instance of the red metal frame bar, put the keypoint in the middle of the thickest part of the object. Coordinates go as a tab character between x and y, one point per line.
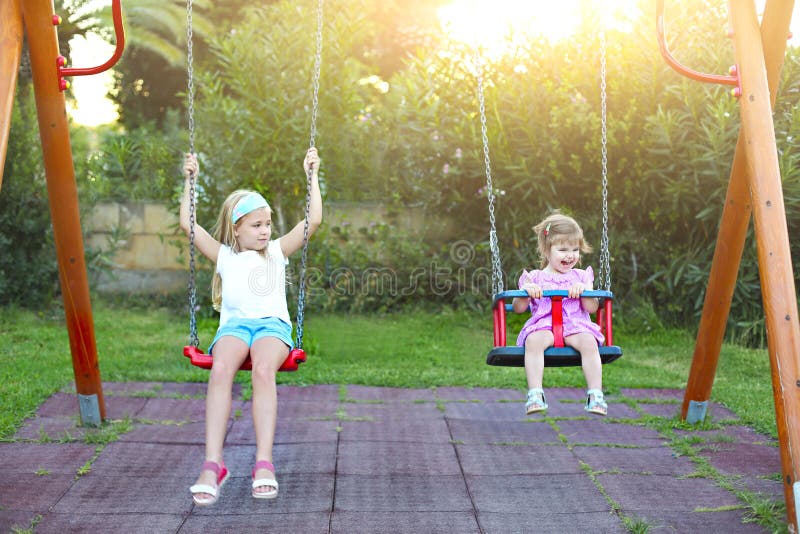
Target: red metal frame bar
606	316
686	71
603	318
119	31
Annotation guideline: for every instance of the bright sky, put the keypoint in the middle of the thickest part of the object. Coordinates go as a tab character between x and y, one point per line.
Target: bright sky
93	107
487	20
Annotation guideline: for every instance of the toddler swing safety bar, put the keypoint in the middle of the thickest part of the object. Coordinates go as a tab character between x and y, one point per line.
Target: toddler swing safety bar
558	355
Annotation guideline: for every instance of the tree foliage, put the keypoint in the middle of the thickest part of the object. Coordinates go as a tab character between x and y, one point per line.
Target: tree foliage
28	270
152	78
254	103
398	124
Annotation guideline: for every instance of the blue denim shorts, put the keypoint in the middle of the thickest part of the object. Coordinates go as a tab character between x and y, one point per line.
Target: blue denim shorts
249	330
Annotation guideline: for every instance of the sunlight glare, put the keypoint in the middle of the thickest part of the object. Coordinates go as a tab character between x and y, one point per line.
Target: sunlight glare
491	25
495	25
794	26
91	107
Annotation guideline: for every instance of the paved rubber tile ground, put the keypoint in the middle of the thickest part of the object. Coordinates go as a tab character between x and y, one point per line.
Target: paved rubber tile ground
356	459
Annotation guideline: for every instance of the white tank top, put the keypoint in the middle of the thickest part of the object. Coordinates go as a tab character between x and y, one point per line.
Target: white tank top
253	286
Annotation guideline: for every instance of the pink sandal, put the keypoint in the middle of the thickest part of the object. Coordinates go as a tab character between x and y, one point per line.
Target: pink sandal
257	483
222	475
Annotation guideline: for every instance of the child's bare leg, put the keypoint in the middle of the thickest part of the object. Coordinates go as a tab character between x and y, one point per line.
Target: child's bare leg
535	344
586	344
229	352
267	354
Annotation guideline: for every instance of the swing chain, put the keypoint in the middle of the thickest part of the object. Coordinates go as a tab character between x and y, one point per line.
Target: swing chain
301	292
190	72
497	269
605	260
315	77
193	338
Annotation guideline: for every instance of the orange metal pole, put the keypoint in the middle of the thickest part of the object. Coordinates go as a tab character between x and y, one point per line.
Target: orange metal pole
772	238
63	193
10	52
732	233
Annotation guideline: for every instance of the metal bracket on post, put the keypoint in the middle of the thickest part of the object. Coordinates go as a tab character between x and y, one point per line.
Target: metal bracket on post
90	410
733	79
696	412
61	61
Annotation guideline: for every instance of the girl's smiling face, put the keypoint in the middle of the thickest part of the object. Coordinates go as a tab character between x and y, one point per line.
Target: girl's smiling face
254	230
563	256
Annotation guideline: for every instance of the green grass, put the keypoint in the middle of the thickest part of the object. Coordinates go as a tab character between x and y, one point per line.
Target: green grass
413	349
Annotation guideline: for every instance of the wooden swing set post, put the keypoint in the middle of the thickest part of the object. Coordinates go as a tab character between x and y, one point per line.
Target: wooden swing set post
36	16
772	240
755	187
733	227
10	53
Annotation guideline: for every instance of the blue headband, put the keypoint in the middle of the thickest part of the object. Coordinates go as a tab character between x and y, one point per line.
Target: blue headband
246	204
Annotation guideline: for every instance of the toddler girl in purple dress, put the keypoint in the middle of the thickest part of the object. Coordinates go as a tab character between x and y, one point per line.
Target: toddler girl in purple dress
560	243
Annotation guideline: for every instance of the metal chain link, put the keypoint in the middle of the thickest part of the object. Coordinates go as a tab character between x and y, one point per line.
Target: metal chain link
301	293
190	73
605	257
193	338
497	269
315	78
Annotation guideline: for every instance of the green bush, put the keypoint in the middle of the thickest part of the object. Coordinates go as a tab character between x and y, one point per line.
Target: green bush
413	140
383	268
141	164
28	270
671	142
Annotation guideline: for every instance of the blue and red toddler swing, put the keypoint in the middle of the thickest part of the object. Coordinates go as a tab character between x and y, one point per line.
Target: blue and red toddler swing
558	355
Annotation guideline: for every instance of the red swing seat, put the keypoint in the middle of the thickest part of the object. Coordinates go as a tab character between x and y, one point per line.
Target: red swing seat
203	360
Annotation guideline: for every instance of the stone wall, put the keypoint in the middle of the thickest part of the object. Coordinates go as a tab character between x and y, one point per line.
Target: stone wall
147	258
152	256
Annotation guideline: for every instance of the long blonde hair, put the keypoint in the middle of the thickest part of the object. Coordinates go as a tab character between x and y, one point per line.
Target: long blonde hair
558	228
224	231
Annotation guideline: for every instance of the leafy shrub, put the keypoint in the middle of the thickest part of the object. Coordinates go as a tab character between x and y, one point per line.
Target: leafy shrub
413	140
383	268
28	267
141	164
28	270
